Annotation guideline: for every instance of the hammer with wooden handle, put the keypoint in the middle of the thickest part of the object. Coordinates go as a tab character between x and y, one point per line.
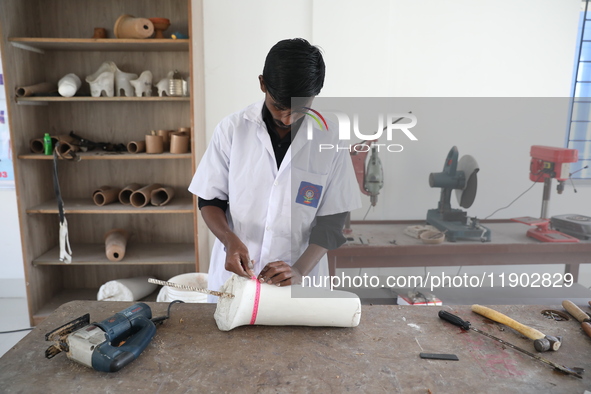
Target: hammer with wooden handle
578	314
542	343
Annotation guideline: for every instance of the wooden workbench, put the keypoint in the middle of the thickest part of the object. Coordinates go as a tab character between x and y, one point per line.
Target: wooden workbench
384	244
190	355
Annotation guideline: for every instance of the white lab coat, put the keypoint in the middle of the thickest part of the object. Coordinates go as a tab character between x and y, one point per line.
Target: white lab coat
266	206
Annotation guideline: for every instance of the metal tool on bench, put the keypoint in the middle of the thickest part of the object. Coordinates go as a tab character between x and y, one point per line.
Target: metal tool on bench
578	314
546	164
109	345
542	342
578	226
465	325
461	177
370	177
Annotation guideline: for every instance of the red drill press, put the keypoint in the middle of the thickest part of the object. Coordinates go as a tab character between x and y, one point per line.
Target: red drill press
548	163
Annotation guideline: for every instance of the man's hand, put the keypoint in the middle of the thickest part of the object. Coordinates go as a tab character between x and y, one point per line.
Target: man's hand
280	273
237	258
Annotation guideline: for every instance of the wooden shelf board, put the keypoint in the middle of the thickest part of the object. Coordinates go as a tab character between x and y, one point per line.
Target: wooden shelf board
81	99
60	299
92	155
68	295
102	44
86	205
135	254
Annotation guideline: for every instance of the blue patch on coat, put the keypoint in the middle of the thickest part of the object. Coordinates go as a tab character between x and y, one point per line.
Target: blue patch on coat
309	194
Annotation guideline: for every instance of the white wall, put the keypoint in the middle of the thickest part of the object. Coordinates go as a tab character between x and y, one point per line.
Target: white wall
417	48
447	48
238	35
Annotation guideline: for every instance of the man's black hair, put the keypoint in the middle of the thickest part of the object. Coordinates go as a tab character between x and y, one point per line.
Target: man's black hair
293	68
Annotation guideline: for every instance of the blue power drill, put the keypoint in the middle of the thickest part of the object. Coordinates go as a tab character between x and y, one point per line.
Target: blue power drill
109	345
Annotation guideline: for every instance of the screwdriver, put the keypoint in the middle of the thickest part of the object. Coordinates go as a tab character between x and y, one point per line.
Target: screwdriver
465	325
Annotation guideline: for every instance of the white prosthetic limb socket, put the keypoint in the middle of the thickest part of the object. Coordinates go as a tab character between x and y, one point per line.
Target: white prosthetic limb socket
270	305
69	85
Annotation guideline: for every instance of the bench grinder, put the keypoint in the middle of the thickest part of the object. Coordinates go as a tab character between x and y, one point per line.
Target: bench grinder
461	177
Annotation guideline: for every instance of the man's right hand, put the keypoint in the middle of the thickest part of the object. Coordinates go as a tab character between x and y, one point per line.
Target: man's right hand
237	257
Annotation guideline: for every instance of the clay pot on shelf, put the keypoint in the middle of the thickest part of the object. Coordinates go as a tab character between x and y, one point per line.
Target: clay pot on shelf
100	32
105	195
160	25
116	243
128	26
36	144
141	197
179	142
165	134
67	147
127	191
154	144
136	146
161	196
41	89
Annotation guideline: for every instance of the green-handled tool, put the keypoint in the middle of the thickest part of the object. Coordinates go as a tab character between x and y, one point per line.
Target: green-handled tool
465	325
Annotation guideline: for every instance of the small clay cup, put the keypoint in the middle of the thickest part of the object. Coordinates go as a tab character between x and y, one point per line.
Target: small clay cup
165	134
160	25
100	32
36	145
127	191
105	195
179	143
136	146
141	197
116	243
154	144
161	196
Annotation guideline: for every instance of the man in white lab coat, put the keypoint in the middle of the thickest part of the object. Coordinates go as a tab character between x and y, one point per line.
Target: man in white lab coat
274	201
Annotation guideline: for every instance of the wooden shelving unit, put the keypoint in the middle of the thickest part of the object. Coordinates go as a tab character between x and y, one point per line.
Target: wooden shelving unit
155	254
81	205
40	44
78	99
43	40
97	155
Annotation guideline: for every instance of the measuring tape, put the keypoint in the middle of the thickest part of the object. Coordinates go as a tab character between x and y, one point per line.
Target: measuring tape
257	297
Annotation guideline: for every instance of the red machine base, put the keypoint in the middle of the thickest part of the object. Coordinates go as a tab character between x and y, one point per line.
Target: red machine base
550	235
542	231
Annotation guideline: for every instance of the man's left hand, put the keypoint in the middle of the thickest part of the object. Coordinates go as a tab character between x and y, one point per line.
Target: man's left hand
279	273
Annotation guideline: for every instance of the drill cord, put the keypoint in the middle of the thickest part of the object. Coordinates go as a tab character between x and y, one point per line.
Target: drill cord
518	197
162	318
